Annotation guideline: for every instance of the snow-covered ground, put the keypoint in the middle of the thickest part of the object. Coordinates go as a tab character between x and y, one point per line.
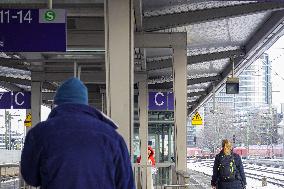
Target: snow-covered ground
206	168
9	156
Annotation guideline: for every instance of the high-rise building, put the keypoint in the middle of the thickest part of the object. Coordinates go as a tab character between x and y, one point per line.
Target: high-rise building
255	85
255	92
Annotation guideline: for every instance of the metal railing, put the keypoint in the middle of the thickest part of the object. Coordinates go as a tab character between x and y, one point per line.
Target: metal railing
166	177
162	176
181	180
9	175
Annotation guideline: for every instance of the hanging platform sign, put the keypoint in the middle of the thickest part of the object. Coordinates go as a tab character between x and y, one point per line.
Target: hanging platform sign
15	100
32	30
161	101
196	119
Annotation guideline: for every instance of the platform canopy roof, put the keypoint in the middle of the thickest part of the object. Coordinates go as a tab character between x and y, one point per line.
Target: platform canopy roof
216	31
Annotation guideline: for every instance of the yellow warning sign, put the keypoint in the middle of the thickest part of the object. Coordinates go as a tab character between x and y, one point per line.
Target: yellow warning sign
28	120
196	119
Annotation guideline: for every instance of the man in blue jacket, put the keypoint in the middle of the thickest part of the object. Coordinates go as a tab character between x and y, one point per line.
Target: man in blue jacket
77	147
228	171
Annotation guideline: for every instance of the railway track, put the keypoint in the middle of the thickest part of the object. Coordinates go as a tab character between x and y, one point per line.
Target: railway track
261	171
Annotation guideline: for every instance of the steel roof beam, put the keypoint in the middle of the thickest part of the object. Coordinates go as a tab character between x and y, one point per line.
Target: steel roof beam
193	94
263	38
93	96
95	39
86	77
153	65
138	13
195	59
169	85
159	64
26	82
10	86
16	80
13	63
159	39
203	80
167	21
191	103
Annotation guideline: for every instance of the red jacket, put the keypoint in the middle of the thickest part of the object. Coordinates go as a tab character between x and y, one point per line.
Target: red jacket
151	157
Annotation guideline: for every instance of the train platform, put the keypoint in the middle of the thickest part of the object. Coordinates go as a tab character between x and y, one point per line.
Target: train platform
259	173
199	180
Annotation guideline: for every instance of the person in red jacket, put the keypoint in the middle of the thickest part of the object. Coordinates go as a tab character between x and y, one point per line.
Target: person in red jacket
150	170
151	158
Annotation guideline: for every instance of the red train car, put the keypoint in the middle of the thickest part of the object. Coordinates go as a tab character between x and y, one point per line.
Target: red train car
261	151
194	152
242	151
266	151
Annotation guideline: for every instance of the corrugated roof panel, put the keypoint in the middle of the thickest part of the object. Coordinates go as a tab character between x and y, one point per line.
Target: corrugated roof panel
203	86
4	55
25	87
195	90
210	68
16	73
196	76
160	52
162	7
160	72
192	99
206	50
241	28
161	79
222	33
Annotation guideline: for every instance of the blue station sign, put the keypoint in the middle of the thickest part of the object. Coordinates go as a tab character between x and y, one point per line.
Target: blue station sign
161	101
32	30
15	100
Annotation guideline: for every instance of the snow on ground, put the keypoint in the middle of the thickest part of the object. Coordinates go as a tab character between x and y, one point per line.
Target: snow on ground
251	183
9	156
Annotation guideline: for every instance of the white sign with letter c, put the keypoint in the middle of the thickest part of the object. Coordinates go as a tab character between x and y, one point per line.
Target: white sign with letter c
156	102
16	99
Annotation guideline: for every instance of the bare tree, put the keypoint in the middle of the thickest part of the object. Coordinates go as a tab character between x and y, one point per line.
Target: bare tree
217	126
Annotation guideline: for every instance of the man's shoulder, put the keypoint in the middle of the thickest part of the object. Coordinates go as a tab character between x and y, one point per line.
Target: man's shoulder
90	124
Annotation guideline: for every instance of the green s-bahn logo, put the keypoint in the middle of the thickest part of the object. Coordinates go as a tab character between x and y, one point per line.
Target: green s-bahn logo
49	15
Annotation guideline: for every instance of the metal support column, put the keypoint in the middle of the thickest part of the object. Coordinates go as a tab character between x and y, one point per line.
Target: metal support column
157	145
103	102
143	129
49	4
180	110
163	142
119	45
36	102
169	143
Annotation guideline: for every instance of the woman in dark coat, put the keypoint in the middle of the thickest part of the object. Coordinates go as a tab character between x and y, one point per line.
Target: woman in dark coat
229	164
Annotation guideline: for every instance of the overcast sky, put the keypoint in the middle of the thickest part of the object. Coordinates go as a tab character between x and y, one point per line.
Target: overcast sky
276	56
